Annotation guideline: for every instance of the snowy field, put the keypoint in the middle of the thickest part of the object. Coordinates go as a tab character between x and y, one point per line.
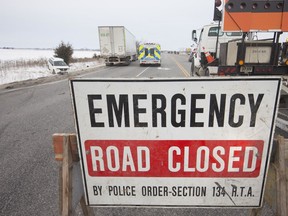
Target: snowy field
26	72
18	54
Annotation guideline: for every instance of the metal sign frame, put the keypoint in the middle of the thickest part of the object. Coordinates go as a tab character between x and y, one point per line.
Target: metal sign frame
175	142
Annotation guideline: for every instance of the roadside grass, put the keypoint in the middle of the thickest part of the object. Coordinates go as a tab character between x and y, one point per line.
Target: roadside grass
6	65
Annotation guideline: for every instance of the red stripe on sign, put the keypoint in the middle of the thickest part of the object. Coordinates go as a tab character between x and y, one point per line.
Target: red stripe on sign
174	158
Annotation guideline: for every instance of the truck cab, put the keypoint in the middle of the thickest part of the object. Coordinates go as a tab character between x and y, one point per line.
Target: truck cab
210	38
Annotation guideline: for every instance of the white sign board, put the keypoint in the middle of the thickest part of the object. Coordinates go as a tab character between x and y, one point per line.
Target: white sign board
175	142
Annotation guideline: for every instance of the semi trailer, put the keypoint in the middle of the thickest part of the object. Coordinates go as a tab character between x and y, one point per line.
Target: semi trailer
117	45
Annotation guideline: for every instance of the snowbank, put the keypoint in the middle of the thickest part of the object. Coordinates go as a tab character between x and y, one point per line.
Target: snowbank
25	73
22	74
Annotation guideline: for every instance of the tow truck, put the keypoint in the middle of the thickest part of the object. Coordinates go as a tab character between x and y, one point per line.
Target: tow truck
247	55
250	57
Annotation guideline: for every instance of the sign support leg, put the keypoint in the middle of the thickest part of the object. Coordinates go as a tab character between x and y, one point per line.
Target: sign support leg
281	178
65	149
66	178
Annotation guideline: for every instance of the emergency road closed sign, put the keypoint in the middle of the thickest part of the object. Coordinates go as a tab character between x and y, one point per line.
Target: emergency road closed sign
175	142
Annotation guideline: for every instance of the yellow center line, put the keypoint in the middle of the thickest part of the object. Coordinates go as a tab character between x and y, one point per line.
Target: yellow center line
184	71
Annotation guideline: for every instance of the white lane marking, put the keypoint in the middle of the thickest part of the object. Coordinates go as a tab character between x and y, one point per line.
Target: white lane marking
161	68
282	124
142	72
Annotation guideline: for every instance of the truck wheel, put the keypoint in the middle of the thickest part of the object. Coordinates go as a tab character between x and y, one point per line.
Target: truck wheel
206	72
203	72
127	62
283	103
109	64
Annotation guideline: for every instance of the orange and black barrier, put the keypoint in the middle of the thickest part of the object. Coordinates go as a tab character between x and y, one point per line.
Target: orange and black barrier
255	15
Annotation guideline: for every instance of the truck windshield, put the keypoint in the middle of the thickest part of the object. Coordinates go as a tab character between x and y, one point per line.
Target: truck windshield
213	31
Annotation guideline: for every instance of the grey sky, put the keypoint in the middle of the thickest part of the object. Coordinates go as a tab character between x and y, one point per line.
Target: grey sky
44	24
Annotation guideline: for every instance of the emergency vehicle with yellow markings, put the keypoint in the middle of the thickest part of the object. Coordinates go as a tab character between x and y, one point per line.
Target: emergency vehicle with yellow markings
150	54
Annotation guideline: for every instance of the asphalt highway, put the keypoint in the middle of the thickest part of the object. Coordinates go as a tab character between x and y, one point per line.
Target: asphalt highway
29	116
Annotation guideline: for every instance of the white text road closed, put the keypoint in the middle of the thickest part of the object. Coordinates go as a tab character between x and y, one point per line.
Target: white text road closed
175	142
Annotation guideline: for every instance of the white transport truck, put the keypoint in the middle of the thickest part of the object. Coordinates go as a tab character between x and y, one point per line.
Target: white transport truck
117	45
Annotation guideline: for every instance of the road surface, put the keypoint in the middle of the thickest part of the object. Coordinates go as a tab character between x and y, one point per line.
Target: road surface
28	118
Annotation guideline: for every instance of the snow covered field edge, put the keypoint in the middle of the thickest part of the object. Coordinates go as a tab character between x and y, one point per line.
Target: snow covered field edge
16	74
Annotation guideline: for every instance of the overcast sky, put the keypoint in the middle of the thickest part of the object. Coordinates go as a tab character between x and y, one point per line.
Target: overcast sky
44	24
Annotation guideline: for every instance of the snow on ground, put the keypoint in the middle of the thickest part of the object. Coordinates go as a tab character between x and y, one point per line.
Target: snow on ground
19	54
14	74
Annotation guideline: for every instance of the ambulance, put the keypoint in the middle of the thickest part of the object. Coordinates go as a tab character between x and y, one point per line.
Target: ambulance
150	54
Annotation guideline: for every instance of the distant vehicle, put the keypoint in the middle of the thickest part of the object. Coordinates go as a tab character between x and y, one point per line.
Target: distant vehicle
150	54
117	45
57	65
188	51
